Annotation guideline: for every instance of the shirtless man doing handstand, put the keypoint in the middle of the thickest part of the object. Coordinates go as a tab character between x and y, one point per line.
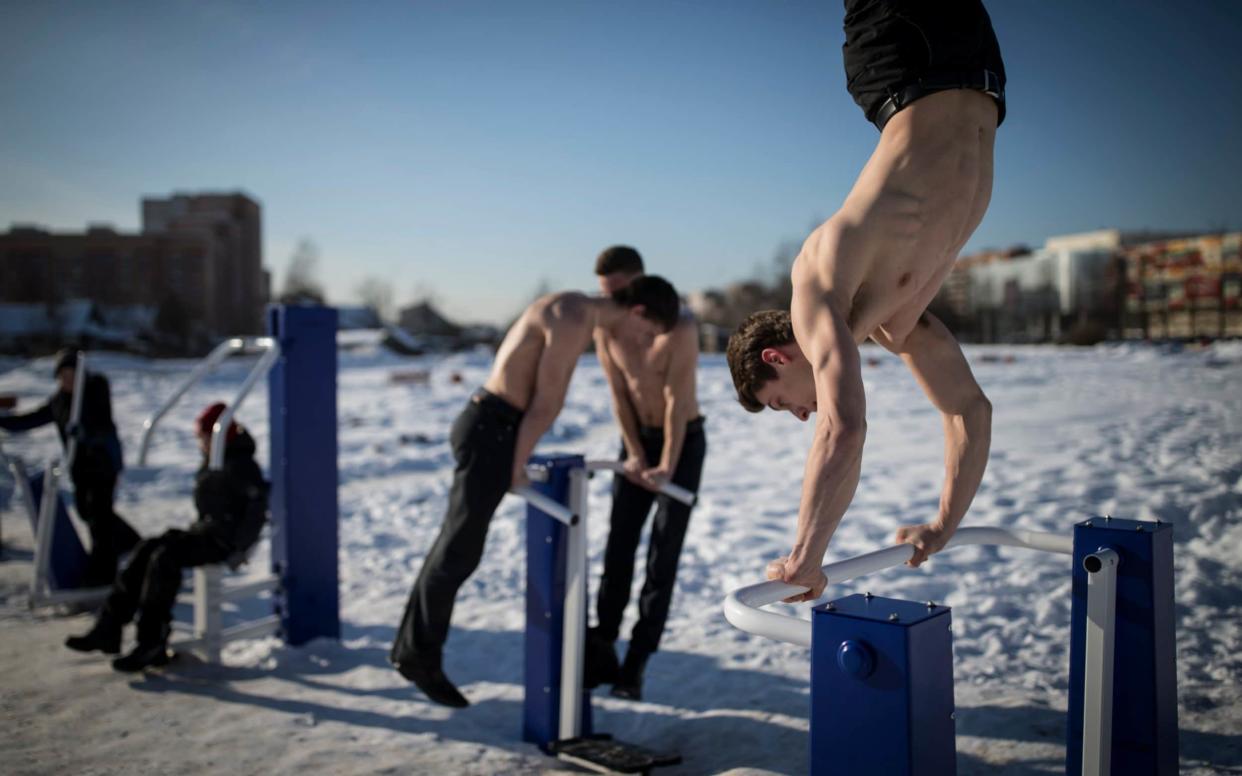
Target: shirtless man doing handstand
930	76
492	439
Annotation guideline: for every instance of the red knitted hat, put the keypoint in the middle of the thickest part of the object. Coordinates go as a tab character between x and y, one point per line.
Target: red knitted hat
207	421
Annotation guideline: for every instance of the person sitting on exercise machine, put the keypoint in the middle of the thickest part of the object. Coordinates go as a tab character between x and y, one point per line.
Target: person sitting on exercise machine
232	507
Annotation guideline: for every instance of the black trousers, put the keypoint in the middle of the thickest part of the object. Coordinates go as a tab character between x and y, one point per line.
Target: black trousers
149	583
111	536
630	505
482	438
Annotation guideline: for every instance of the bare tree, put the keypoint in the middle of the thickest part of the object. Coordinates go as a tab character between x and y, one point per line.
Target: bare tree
301	283
425	292
376	294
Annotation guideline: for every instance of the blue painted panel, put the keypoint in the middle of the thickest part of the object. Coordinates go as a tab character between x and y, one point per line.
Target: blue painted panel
547	541
303	471
1145	667
895	718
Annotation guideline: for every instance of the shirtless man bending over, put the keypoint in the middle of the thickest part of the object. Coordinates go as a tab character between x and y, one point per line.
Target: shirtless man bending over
930	76
662	440
493	437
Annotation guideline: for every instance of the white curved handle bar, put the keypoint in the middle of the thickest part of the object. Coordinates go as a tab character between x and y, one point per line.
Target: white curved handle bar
669	489
271	355
201	370
741	607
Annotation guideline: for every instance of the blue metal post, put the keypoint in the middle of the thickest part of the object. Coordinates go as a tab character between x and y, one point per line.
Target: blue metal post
1144	734
546	541
882	688
302	412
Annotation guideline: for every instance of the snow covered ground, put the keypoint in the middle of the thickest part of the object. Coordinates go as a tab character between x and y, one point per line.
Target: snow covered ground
1134	431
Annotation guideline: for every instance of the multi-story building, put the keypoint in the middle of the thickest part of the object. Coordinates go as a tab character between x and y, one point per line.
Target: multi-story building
197	260
1189	287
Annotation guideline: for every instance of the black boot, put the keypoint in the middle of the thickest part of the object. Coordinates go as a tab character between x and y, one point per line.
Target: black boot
104	637
152	651
629	684
430	678
600	664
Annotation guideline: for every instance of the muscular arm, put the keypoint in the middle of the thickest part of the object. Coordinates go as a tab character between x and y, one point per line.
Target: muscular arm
566	336
835	459
933	356
678	396
622	407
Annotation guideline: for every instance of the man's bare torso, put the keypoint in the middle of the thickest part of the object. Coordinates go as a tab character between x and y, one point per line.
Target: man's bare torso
917	201
646	374
517	359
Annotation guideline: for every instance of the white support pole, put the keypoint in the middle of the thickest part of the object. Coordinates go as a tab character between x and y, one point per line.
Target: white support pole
573	639
1097	707
75	410
39	586
207	619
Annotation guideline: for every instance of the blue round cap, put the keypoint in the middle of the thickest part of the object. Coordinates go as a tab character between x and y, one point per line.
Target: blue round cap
856	659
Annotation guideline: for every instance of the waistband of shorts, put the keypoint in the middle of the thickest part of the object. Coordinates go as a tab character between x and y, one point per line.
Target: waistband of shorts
496	405
982	80
692	426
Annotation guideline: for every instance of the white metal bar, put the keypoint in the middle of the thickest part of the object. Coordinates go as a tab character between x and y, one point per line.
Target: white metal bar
81	595
200	370
254	629
670	489
75	410
741	607
248	589
39	586
219	354
260	370
548	506
22	486
1097	706
574	627
207	619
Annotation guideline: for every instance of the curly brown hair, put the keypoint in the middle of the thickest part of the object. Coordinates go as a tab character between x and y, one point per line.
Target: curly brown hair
764	329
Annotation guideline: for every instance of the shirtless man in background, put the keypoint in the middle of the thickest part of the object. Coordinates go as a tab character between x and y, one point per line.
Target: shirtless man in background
662	440
930	76
492	439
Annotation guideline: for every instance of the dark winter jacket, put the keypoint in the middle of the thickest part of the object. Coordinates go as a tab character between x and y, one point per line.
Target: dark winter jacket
99	449
232	501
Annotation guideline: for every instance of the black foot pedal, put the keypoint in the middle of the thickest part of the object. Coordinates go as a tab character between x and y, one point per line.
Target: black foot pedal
603	754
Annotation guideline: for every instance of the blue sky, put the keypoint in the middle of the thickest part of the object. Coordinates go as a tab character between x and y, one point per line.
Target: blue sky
478	148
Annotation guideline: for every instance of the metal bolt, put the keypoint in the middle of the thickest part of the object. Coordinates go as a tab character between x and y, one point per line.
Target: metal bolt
830	606
548	615
952	715
1157	521
547	689
868	595
1108	517
1138	528
893	617
1087	524
548	539
931	604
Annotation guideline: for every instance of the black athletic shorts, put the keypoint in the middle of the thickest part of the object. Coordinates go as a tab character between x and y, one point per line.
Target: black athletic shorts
905	49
